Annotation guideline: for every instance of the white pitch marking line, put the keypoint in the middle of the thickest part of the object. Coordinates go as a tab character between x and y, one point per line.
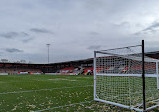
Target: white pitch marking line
41	90
63	106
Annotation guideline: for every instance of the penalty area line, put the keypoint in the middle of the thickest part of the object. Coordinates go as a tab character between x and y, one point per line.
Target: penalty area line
4	93
63	106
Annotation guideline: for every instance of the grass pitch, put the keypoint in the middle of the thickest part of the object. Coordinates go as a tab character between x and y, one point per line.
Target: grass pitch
28	93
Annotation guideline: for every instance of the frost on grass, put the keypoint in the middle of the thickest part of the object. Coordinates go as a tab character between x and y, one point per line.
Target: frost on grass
32	106
55	100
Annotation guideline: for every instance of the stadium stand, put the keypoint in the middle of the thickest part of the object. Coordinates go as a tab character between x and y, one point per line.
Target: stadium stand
88	71
12	68
77	67
67	70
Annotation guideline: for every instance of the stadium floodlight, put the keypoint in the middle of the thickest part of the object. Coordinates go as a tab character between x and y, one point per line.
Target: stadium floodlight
125	77
48	45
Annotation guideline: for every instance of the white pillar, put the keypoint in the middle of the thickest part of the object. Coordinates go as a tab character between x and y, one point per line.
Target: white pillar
94	75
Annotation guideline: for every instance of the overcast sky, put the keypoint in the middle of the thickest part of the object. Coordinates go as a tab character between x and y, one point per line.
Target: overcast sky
74	28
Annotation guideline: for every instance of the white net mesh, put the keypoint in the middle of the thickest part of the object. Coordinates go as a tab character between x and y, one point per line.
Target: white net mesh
119	77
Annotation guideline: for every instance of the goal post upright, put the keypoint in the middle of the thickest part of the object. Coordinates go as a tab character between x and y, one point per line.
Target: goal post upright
94	62
143	75
157	75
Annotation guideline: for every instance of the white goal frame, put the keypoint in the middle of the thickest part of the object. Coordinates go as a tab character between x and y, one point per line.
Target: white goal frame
143	75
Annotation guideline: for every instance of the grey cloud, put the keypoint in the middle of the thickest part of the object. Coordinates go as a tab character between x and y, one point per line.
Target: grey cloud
10	35
13	50
152	27
94	4
83	24
123	24
40	30
24	34
138	33
94	33
27	40
94	47
1	53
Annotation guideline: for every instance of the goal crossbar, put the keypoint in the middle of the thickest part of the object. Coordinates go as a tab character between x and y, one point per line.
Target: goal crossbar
129	75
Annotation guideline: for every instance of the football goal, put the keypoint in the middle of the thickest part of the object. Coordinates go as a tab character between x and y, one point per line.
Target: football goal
127	78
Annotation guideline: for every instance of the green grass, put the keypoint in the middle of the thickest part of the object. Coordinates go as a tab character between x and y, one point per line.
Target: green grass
26	93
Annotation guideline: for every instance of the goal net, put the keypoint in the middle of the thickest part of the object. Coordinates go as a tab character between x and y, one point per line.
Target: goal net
119	79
